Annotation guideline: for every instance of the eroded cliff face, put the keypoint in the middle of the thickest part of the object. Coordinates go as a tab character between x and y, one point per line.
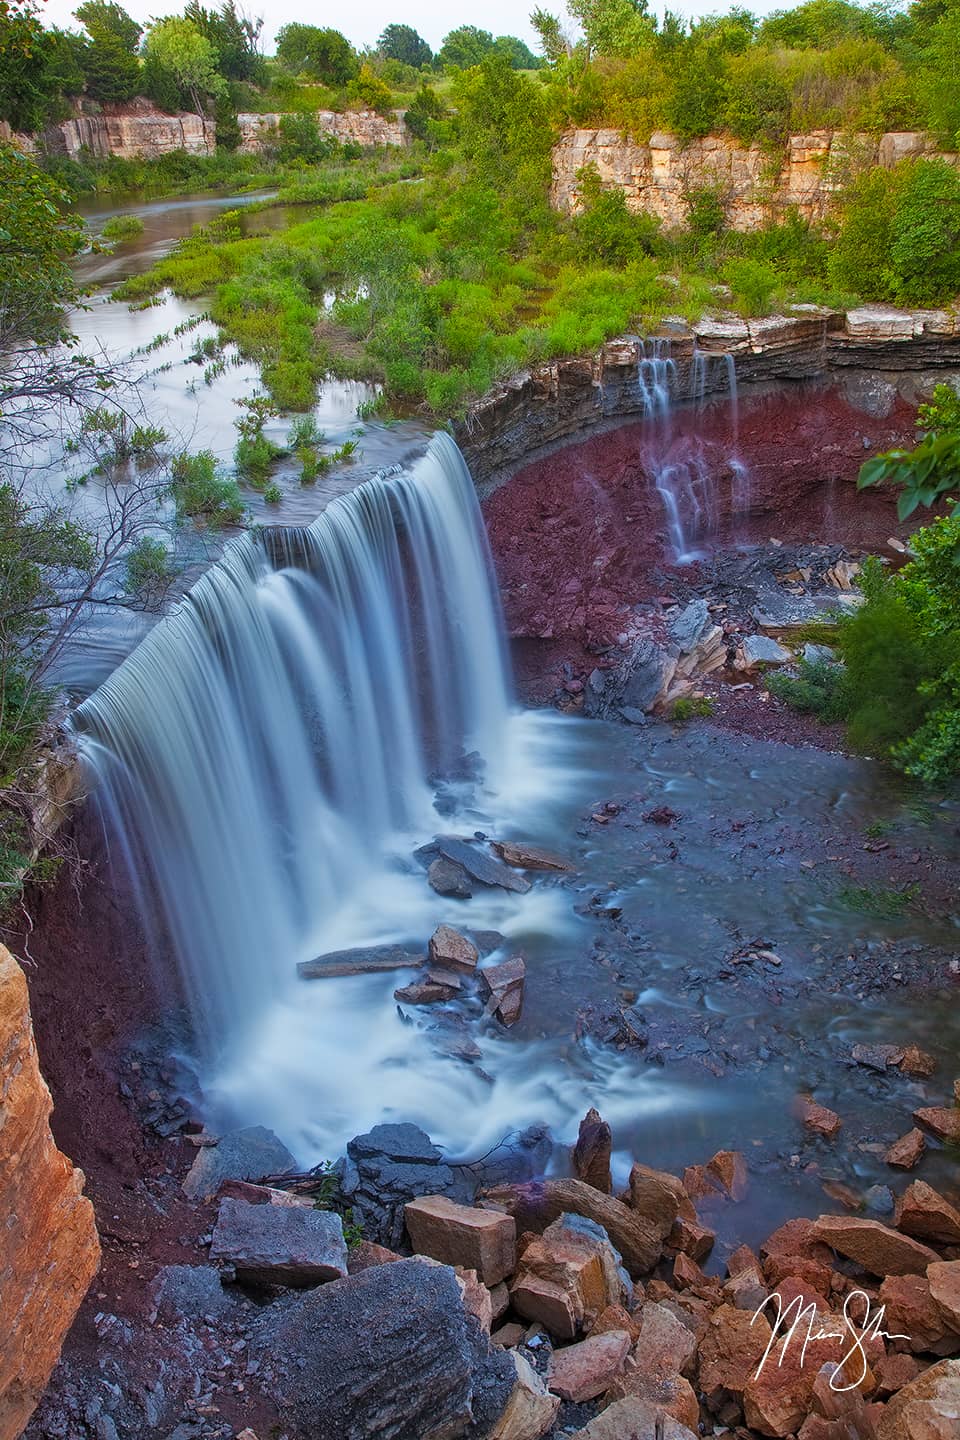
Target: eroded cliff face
659	177
49	1251
358	127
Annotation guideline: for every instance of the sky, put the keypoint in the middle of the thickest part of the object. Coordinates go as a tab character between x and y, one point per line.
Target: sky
363	21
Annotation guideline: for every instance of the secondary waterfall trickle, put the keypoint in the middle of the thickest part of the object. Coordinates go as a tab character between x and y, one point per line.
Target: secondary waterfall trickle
261	750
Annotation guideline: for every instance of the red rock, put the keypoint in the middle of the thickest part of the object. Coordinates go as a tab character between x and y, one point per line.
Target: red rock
262	1194
671	1396
477	1300
537	1203
547	1302
692	1238
591	1154
584	1371
530	1410
633	1418
499	1300
657	1196
686	1272
921	1211
876	1247
49	1250
481	1240
504	985
561	1283
818	1118
615	1317
508	1335
729	1170
744	1261
365	1255
666	1346
794	1250
906	1152
910	1310
894	1371
777	1400
943	1278
917	1062
731	1349
424	992
943	1123
529	857
926	1409
698	1184
453	951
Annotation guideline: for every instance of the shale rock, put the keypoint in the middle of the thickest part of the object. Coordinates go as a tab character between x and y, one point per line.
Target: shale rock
943	1278
49	1251
448	878
504	985
453	951
188	1292
818	1118
248	1154
279	1244
529	857
763	650
481	1240
876	1247
940	1121
481	866
387	1353
386	1168
906	1152
910	1310
365	960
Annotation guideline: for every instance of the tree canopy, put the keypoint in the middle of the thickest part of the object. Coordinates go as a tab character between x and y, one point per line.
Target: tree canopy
401	42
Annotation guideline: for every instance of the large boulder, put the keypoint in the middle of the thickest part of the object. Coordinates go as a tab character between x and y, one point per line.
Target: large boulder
248	1154
387	1167
49	1251
568	1277
926	1409
279	1244
481	1240
658	1196
389	1353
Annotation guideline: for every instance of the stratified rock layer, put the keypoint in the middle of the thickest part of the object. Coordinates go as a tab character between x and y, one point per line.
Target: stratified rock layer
49	1250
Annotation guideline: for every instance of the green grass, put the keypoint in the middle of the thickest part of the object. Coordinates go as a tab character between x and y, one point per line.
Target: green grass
879	903
122	227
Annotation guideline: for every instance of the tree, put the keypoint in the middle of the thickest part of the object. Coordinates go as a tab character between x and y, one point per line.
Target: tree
102	17
521	57
554	42
401	42
320	54
234	36
38	236
464	47
29	90
614	27
179	50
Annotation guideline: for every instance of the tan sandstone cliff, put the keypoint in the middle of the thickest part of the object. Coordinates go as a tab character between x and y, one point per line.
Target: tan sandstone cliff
659	177
49	1251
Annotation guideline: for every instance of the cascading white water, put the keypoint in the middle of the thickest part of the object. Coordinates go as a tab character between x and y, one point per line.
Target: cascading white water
260	749
682	477
741	489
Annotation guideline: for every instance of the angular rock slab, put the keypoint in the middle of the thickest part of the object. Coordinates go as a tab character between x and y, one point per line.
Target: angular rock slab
280	1244
636	1418
876	1247
480	1240
386	1353
364	960
247	1154
480	865
926	1409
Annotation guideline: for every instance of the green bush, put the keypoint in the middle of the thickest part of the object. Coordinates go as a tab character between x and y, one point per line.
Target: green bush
200	493
753	283
819	688
148	570
122	227
606	230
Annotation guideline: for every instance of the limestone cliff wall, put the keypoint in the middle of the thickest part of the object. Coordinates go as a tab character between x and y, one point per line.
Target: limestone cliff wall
361	127
875	354
658	177
49	1250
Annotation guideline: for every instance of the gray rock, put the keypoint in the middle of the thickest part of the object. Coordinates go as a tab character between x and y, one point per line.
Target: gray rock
388	1353
396	1141
649	672
188	1292
364	960
448	878
632	715
279	1244
481	866
248	1154
689	627
778	609
384	1169
818	654
762	650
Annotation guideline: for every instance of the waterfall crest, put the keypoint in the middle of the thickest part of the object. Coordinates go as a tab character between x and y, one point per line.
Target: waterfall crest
272	737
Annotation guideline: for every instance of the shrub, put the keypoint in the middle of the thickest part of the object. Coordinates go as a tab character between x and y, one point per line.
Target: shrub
273	494
201	493
690	707
819	688
753	284
148	570
606	230
122	227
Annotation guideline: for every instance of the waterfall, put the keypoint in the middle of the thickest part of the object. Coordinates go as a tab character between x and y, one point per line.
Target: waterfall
740	488
260	752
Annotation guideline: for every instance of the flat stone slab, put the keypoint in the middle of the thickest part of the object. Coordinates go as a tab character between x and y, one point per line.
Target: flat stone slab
365	960
481	866
529	857
279	1244
778	610
402	1141
764	650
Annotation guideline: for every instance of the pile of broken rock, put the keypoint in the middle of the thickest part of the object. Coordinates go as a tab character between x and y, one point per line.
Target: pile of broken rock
550	1306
